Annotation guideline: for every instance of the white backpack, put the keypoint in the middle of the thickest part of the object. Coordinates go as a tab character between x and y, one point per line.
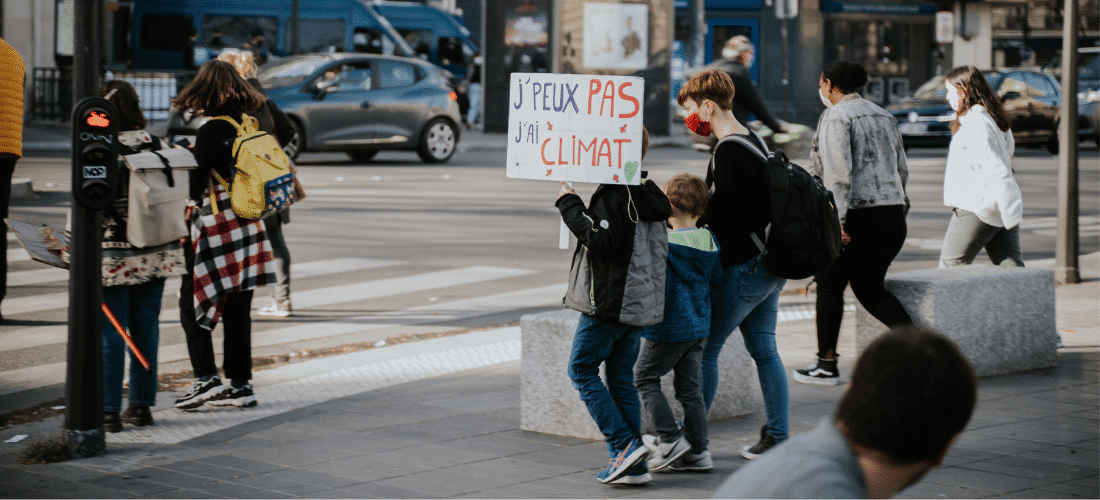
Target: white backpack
159	189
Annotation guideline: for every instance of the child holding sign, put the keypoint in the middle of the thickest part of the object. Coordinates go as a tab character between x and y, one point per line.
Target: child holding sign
617	282
676	344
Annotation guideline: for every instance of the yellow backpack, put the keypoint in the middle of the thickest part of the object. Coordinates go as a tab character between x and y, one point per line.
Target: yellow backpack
262	180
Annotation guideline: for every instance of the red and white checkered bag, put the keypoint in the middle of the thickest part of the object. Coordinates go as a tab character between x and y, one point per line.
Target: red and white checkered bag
231	255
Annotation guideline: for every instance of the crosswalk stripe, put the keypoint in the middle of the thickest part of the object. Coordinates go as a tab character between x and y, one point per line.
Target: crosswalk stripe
35	303
405	284
37	276
17	254
337	266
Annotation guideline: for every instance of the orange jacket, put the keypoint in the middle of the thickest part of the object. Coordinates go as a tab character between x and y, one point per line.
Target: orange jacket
12	76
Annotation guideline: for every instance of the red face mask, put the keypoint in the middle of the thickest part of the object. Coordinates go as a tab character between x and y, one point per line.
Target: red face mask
696	125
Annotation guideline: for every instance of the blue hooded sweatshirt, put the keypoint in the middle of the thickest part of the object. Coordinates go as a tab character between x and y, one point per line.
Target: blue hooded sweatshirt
694	268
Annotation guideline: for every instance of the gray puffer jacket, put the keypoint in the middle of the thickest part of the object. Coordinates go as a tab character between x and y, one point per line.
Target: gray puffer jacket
858	154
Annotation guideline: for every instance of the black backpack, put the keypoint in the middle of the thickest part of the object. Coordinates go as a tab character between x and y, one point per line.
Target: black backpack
803	237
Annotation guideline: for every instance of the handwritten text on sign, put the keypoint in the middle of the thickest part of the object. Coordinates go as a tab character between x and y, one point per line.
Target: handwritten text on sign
577	128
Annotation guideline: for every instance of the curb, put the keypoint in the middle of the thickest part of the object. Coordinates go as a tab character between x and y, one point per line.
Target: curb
22	188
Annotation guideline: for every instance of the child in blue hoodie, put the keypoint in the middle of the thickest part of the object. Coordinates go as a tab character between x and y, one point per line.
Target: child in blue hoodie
676	344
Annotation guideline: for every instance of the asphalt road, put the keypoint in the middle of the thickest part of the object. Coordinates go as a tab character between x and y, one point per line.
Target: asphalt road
395	248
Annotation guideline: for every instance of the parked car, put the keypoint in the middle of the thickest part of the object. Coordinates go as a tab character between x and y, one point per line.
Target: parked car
1088	90
359	104
1031	98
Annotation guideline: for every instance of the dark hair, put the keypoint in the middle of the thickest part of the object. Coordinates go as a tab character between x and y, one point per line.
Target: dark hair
976	90
257	32
911	392
847	76
688	193
645	142
125	99
713	84
218	86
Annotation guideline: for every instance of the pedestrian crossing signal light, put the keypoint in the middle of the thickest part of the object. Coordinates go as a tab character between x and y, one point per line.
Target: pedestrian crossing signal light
95	175
98	119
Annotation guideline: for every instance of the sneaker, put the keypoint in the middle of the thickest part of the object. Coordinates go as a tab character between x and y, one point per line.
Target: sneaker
824	372
201	392
650	442
634	454
767	442
278	309
241	397
667	453
694	462
138	415
111	422
638	475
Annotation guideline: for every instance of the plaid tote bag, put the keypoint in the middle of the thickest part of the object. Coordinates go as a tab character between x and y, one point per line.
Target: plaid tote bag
231	255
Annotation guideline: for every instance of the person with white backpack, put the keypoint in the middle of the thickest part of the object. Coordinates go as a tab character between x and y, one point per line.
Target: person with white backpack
133	279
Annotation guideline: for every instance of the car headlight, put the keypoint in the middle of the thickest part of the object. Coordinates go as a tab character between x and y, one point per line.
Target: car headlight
913	117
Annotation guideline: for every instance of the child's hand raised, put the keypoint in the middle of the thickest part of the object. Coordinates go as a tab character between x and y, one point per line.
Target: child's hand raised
565	189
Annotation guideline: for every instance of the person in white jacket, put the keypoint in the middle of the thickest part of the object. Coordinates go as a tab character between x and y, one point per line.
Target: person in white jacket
978	183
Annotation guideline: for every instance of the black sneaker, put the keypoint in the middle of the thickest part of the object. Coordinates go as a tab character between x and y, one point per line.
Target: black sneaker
824	372
201	392
112	422
241	397
767	442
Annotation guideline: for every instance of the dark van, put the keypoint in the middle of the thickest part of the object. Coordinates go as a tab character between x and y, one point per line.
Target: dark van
433	34
162	29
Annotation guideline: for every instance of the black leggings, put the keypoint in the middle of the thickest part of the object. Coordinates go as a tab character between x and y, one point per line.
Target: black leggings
236	323
877	235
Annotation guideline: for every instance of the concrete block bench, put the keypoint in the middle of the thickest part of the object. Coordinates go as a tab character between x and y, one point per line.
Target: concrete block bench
549	403
1001	318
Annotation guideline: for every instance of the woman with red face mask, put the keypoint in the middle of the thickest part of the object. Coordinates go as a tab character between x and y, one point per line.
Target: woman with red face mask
748	297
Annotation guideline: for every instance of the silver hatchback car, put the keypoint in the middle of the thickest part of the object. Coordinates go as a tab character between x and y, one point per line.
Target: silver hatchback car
364	103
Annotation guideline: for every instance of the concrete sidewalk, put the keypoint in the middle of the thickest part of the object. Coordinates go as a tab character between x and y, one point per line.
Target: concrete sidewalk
440	418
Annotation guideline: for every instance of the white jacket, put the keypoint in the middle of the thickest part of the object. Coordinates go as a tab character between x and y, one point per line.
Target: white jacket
979	171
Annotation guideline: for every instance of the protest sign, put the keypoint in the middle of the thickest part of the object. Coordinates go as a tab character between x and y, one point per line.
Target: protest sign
576	128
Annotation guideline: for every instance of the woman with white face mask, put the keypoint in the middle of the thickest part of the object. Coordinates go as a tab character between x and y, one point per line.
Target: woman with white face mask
858	153
978	183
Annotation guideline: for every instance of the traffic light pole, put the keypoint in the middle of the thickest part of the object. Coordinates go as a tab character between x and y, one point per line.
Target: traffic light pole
94	186
1066	246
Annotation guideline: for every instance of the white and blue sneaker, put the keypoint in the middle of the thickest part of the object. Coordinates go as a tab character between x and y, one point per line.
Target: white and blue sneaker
634	454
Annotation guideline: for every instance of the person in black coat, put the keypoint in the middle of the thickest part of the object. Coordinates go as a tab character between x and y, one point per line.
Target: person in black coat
217	90
737	58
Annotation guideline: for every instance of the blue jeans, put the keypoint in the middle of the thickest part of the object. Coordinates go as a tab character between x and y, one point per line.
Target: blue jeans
137	309
614	406
748	298
473	115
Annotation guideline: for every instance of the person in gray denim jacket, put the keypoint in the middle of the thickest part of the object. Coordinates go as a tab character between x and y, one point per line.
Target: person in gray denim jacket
858	154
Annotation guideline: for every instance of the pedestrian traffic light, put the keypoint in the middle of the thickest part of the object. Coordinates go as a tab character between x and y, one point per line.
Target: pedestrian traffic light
95	157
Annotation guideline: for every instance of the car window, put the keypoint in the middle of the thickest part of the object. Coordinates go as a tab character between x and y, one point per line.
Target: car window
932	89
289	72
354	79
396	74
1013	82
1039	86
320	35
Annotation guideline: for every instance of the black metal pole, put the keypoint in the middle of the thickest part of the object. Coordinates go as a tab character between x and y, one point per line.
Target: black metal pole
1067	246
84	374
295	17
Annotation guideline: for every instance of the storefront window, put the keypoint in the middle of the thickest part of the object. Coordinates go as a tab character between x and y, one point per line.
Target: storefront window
882	47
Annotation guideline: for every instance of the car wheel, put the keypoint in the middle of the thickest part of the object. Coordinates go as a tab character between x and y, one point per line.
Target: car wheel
362	155
1052	144
294	147
438	141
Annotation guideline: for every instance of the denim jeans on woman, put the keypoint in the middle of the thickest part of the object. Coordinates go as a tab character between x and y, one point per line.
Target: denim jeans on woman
748	298
614	406
967	235
137	308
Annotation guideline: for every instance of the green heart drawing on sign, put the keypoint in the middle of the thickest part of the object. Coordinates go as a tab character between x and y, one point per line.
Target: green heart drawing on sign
631	169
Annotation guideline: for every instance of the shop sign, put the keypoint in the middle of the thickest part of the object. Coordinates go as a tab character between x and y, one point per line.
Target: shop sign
911	9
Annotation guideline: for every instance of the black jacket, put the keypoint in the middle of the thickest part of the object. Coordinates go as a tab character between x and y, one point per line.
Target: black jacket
618	271
739	203
745	98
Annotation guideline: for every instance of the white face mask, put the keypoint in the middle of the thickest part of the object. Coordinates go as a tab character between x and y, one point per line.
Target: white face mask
729	54
824	100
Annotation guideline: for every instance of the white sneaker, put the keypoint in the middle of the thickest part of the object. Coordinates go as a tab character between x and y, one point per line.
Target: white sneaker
698	462
667	453
278	309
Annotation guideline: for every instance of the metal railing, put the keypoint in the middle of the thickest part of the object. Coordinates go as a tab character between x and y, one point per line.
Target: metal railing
52	92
